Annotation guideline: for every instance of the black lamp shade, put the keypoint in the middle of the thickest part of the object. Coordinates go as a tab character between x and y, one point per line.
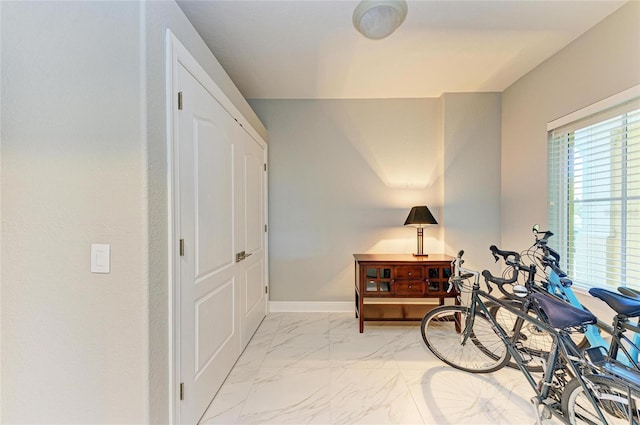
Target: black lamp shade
420	215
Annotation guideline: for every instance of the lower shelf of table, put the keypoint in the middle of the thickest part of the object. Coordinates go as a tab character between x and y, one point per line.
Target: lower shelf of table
398	309
387	311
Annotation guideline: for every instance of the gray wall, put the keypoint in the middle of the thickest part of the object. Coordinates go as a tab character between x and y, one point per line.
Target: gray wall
471	138
602	62
74	344
343	175
83	154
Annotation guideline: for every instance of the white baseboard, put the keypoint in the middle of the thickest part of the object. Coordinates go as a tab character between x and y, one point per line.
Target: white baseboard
311	307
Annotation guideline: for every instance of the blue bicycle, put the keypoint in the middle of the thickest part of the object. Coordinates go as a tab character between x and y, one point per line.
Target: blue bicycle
555	281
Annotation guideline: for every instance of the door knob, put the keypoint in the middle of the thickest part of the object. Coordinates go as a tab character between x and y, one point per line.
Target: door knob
241	256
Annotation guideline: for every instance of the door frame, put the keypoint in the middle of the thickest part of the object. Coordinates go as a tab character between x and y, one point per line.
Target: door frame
176	54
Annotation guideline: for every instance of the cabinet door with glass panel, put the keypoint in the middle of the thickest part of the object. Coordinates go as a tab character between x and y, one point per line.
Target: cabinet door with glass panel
378	281
437	281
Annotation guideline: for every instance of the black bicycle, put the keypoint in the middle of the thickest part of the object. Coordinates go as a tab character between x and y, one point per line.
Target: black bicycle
572	388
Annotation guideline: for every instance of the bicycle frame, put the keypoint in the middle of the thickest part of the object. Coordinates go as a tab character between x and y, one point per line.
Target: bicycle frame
617	350
563	346
556	288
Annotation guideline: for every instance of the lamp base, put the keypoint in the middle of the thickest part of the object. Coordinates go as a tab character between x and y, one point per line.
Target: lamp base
420	244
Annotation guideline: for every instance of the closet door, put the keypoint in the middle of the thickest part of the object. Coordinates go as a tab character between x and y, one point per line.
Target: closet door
210	279
219	213
252	220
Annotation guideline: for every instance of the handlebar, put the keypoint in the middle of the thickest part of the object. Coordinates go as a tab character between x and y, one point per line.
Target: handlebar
505	255
498	280
551	257
512	259
461	273
546	234
555	257
553	265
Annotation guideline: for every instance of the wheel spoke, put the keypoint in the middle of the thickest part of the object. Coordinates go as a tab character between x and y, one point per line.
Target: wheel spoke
443	332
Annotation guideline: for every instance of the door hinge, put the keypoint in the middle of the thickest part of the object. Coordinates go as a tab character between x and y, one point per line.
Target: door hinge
265	167
181	391
182	247
266	289
265	228
179	101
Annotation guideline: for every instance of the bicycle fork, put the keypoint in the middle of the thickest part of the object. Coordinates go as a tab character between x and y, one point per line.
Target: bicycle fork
468	325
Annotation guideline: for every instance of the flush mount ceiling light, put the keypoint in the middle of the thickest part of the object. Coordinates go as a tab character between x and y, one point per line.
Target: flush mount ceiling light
377	19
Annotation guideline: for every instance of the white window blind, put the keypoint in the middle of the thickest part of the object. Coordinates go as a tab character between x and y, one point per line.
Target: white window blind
594	196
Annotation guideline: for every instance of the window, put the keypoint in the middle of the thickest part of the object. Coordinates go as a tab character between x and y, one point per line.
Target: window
594	196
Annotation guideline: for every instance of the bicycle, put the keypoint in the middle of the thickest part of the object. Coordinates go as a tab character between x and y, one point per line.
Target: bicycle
532	341
623	349
469	338
618	381
556	283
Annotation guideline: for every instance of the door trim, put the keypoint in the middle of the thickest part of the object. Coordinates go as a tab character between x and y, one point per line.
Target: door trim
176	54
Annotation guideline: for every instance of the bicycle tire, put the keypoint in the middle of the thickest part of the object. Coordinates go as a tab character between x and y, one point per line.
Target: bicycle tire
483	352
533	343
577	408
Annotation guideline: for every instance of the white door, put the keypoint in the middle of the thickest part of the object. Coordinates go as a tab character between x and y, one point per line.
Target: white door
209	279
252	220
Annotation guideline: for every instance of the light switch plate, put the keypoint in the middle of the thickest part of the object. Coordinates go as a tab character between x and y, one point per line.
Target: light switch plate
100	258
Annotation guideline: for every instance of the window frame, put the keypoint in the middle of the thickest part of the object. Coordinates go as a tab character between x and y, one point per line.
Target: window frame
559	208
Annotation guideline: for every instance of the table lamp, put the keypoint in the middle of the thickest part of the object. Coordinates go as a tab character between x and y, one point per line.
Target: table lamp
419	217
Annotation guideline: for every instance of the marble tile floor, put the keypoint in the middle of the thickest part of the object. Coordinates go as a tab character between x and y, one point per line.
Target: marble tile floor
316	368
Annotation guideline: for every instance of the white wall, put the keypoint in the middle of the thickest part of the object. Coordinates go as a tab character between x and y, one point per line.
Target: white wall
84	159
343	175
602	62
74	344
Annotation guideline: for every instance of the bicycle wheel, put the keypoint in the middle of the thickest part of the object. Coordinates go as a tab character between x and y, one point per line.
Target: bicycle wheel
612	398
533	342
443	330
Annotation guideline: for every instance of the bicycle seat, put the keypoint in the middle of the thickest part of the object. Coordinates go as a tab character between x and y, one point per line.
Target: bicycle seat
622	304
633	293
561	314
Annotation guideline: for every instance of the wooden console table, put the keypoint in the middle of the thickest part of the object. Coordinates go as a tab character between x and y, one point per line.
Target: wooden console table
400	286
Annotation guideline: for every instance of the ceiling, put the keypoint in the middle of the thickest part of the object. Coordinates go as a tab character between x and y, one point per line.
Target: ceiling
306	49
